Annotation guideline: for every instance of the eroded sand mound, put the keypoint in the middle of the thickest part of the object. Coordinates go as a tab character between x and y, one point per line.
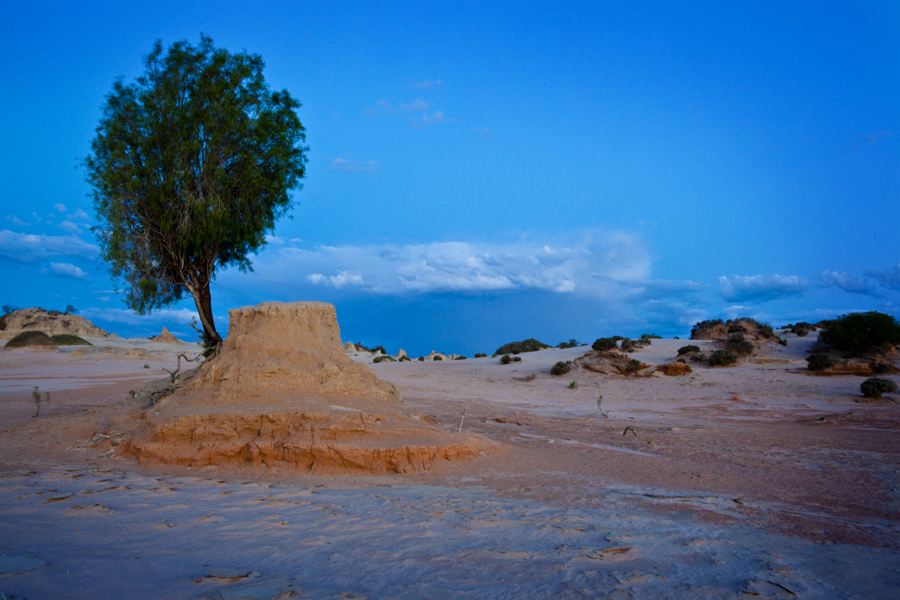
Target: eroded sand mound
611	362
50	322
165	338
283	393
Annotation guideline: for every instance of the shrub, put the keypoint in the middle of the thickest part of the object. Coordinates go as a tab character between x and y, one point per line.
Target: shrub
31	338
800	329
505	359
737	328
460	358
67	339
874	387
603	344
633	366
573	385
819	362
781	341
480	355
421	359
741	348
436	357
861	332
735	337
529	345
383	358
561	368
628	345
708	323
651	336
681	360
766	331
723	357
517	359
688	349
405	359
572	343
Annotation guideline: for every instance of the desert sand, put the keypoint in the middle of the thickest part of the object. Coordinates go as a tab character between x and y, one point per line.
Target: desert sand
758	480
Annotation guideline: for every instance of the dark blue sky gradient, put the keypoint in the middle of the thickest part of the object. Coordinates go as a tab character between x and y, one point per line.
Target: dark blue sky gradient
688	160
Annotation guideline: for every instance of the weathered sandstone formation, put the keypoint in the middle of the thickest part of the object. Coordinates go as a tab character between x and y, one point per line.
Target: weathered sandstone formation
165	338
50	322
283	393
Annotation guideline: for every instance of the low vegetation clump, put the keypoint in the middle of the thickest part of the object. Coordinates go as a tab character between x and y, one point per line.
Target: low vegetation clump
67	339
436	357
383	358
480	355
421	359
737	328
723	357
405	359
573	385
707	324
561	368
460	358
800	329
529	345
517	359
31	339
572	343
633	366
819	362
781	341
604	344
766	331
861	332
628	345
651	336
740	347
505	359
688	349
379	349
874	387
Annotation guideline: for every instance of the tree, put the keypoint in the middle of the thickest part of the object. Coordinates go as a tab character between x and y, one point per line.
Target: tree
192	164
70	310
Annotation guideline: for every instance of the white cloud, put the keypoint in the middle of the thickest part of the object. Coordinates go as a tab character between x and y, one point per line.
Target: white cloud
79	215
849	283
104	298
345	165
597	265
427	84
70	227
67	270
27	248
274	239
16	220
343	278
383	106
129	317
485	132
758	287
60	207
435	119
417	105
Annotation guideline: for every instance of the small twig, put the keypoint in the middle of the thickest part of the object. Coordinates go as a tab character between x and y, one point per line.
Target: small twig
463	416
631	429
103	435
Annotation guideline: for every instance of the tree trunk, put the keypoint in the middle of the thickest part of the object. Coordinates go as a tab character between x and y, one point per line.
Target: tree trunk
203	301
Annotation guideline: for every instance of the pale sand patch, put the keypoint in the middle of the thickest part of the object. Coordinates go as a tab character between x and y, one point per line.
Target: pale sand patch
726	485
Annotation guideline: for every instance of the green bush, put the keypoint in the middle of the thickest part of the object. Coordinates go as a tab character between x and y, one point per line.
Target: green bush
573	343
561	368
529	345
505	359
31	338
819	362
861	332
874	387
421	359
460	358
633	366
603	344
766	331
736	337
688	349
651	336
741	348
708	323
384	358
67	339
800	329
781	341
517	359
628	345
405	359
480	355
723	357
436	357
737	328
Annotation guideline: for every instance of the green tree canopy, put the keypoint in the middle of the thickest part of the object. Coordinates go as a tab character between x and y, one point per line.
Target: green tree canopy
192	164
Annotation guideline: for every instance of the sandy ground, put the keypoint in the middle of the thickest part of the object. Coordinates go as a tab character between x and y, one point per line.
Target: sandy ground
752	481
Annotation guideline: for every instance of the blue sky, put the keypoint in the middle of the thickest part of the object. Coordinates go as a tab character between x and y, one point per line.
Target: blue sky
484	172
